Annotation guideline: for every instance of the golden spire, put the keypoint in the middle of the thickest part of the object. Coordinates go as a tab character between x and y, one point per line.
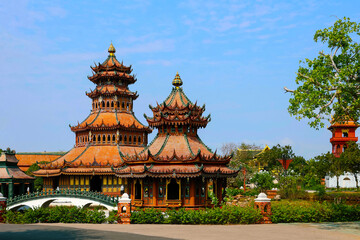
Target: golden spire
177	82
111	50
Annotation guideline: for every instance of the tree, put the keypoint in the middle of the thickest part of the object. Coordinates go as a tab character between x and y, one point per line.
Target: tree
350	158
269	159
263	181
39	182
330	83
243	154
329	164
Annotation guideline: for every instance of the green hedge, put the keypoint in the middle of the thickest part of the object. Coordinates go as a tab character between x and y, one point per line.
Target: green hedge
59	214
302	211
222	215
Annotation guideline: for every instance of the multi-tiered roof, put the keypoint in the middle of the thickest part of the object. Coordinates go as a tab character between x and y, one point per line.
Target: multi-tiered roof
111	130
177	150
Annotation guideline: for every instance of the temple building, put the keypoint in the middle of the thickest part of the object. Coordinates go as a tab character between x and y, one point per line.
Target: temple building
176	169
109	132
13	181
112	155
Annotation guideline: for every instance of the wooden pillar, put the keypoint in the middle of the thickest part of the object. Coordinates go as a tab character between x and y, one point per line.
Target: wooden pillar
155	191
11	190
219	189
192	192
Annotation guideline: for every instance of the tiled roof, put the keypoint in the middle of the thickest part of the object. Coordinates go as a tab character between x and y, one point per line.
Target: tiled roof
110	120
28	159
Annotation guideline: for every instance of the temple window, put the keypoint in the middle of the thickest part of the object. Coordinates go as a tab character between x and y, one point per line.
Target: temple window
122	105
134	139
172	129
112	104
117	104
127	106
125	139
345	134
113	138
180	129
139	140
103	104
108	138
129	139
99	138
120	138
344	148
94	138
104	138
107	104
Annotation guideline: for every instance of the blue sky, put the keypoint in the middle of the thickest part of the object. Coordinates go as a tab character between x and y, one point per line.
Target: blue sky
234	56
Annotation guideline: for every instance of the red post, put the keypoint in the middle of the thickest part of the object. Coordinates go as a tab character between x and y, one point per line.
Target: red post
244	172
263	203
124	209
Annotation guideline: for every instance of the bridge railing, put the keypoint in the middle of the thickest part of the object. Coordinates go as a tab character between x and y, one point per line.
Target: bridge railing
71	193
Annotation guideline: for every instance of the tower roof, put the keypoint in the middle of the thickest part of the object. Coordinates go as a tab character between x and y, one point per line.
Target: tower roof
177	109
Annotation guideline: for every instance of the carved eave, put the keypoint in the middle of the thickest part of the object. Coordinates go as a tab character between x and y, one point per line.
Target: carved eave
98	76
95	93
149	158
102	126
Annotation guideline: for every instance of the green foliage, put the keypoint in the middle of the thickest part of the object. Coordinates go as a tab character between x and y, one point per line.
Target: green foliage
350	159
290	187
330	82
147	216
39	181
113	217
218	215
243	157
56	215
295	211
269	159
263	181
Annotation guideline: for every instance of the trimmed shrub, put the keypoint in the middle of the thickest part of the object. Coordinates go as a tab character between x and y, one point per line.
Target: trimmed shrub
219	215
302	211
56	215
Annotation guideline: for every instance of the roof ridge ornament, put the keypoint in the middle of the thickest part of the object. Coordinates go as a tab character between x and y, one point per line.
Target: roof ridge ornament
177	82
111	50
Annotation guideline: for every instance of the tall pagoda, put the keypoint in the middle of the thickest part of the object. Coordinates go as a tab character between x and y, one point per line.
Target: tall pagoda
342	132
176	169
110	132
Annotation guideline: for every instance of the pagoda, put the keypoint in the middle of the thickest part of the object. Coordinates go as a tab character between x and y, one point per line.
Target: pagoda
176	169
110	132
342	132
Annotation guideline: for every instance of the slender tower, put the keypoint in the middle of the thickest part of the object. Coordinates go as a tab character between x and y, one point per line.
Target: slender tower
342	132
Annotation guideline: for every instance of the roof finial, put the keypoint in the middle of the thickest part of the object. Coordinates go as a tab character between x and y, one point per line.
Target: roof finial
111	50
177	82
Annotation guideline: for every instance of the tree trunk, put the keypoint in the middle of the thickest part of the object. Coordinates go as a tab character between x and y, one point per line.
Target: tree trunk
356	181
337	182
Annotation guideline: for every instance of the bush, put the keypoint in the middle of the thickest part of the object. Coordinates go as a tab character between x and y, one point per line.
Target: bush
263	181
218	215
302	211
56	215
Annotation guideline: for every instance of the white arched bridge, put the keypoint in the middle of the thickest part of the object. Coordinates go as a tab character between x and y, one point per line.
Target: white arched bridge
76	197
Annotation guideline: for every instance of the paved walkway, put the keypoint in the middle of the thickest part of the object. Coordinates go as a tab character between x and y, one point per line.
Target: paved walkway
328	231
